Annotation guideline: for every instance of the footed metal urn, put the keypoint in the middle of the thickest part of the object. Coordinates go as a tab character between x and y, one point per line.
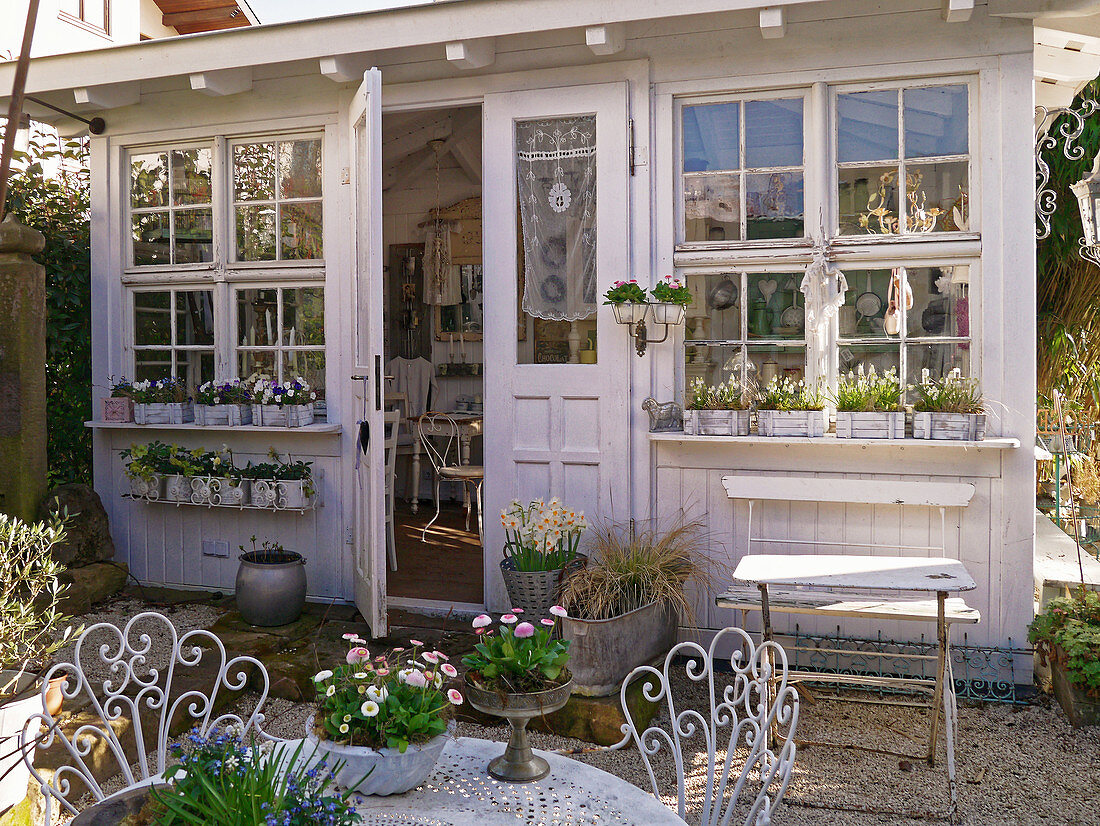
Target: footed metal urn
518	764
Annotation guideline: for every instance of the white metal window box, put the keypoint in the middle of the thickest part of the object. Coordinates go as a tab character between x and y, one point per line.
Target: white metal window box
151	488
668	312
288	415
286	494
791	422
968	427
716	422
164	413
177	488
219	491
630	312
870	425
223	415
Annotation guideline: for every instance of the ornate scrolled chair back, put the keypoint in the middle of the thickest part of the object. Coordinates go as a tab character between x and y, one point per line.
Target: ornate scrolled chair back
758	708
142	663
438	434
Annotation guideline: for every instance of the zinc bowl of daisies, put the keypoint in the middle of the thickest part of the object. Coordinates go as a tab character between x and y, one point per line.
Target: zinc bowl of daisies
384	720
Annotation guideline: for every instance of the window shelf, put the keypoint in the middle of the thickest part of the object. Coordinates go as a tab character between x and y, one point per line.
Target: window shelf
321	428
829	440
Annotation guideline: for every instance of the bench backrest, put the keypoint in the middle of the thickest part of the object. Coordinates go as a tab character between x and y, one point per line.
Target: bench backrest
831	489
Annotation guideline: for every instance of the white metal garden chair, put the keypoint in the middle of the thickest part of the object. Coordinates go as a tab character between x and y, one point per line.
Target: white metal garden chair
438	434
759	709
142	662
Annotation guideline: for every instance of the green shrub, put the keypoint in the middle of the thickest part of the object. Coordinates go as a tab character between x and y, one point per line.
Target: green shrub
1068	632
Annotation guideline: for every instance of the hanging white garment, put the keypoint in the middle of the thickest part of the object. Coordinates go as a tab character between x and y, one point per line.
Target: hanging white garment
824	287
556	167
442	281
416	379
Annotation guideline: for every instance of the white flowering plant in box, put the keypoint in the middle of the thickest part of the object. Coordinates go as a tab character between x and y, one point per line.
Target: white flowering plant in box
270	392
543	536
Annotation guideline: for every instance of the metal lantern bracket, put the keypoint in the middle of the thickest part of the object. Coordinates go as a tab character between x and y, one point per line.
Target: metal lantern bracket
638	330
1087	190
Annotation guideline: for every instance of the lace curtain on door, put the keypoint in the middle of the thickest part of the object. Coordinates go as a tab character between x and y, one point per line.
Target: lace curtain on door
556	163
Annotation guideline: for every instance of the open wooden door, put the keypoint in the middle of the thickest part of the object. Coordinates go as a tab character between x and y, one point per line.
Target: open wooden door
554	429
365	121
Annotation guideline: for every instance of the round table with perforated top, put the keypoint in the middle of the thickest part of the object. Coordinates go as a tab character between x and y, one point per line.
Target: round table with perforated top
460	792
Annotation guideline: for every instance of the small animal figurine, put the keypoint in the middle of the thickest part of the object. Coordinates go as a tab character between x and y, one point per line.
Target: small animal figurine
667	416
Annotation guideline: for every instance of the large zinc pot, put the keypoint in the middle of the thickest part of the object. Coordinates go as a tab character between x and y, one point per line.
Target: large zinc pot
271	588
603	652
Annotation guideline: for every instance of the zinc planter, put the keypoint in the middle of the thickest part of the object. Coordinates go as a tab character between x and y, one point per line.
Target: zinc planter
518	764
603	652
14	716
270	594
220	490
118	409
870	425
1081	708
390	771
536	592
716	422
151	488
630	312
791	422
963	427
223	415
166	413
178	488
667	312
288	415
290	494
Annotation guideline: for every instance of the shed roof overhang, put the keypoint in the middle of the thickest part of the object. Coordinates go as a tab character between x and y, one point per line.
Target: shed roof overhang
220	62
191	16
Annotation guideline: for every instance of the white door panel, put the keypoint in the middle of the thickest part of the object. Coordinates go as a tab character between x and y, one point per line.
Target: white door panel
365	120
554	429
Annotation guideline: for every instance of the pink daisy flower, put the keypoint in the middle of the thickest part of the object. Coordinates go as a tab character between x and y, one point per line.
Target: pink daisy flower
508	619
414	642
525	630
454	697
558	611
482	620
449	670
547	622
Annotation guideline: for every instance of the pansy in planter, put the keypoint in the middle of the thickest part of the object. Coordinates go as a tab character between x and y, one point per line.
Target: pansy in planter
390	713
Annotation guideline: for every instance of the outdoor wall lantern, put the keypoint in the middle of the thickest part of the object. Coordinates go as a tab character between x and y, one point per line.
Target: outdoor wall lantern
633	315
1088	199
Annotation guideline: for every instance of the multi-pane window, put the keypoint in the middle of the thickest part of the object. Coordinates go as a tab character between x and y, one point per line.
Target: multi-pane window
171	213
746	325
173	335
277	200
280	334
903	160
743	170
95	14
933	335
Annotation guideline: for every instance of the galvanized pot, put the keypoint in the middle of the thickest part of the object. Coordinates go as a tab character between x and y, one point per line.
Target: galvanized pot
603	652
518	764
272	593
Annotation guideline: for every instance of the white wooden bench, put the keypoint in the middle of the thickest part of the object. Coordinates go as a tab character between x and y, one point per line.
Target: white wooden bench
775	587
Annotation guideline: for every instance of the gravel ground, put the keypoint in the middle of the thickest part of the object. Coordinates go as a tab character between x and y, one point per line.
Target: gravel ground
1024	766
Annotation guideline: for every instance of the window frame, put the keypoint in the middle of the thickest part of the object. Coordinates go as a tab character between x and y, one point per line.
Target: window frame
281	349
233	262
133	348
810	198
833	172
80	20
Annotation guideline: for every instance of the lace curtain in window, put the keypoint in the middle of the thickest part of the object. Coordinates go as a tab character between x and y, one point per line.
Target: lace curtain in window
556	163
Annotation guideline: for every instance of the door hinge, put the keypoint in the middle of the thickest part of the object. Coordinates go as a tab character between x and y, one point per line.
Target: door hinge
345	176
349	536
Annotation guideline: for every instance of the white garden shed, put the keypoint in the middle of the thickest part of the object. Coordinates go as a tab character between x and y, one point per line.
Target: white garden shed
265	194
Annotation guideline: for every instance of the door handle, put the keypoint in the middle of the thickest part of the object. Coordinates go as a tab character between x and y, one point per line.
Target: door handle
378	382
359	378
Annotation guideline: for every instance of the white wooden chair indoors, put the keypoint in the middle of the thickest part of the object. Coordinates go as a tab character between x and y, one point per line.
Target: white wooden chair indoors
438	434
392	426
406	440
759	709
139	666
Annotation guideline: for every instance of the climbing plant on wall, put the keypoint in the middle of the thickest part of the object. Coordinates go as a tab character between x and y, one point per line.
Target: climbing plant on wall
1068	287
49	192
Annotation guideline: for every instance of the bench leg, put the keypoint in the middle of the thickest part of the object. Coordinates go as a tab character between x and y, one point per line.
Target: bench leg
950	717
938	697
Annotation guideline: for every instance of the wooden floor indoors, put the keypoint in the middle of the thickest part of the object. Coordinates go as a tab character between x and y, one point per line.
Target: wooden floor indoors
448	566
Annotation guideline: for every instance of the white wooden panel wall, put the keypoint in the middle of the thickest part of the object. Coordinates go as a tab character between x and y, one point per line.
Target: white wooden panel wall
689	482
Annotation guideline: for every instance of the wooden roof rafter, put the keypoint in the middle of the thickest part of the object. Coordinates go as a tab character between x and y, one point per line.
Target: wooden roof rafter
193	16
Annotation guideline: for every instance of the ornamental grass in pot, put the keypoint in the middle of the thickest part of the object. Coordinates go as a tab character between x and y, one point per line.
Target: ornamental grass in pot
625	605
948	408
790	408
517	671
540	550
1067	635
271	585
32	629
386	719
868	405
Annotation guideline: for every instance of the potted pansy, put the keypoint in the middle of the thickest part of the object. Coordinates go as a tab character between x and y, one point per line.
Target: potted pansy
384	720
670	300
517	671
628	301
717	410
868	405
226	403
161	401
948	408
540	550
789	408
119	406
289	404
